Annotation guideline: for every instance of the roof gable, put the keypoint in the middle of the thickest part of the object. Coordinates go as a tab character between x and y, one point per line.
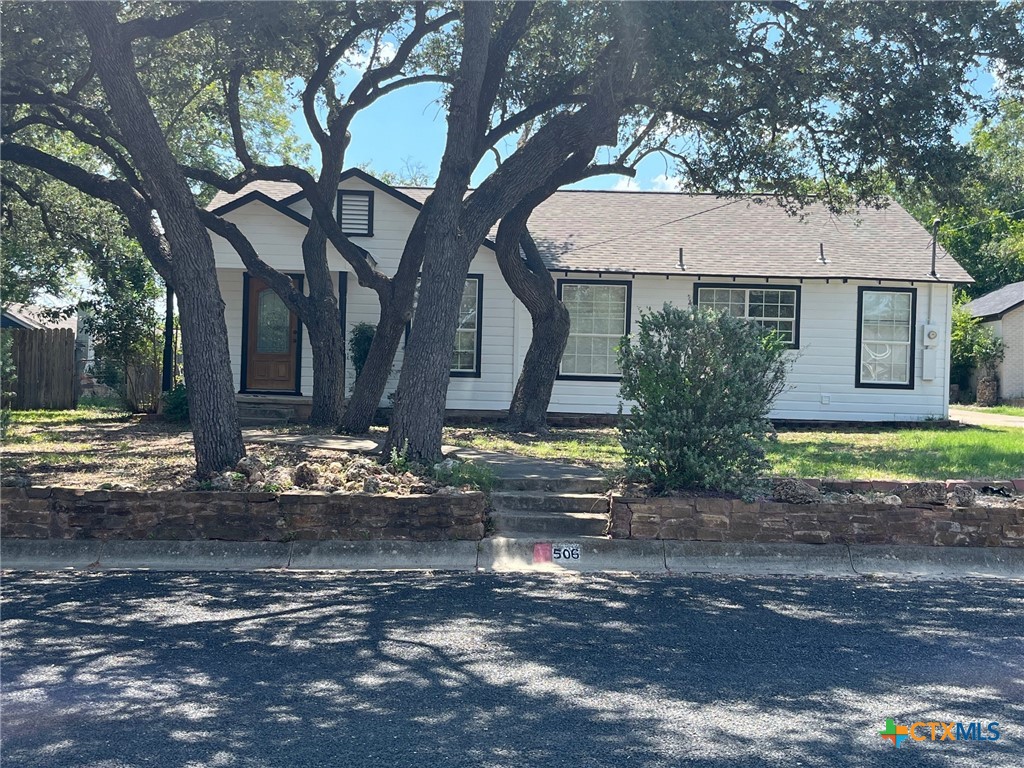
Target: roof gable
994	305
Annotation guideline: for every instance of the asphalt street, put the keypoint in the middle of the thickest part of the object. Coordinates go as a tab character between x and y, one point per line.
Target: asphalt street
110	670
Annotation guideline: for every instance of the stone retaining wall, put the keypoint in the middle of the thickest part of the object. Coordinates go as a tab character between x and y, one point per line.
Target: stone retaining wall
70	513
716	519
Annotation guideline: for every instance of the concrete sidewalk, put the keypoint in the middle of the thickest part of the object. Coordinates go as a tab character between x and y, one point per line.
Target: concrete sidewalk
982	419
499	554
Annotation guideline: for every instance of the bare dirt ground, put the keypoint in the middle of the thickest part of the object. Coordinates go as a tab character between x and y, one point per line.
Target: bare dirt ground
100	448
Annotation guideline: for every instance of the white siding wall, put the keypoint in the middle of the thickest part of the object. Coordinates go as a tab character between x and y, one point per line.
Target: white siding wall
822	368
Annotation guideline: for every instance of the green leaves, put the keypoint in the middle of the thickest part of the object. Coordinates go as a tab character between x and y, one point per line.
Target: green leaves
703	384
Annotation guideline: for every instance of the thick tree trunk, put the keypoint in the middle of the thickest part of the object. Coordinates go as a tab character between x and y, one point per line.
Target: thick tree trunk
370	384
326	335
418	418
217	437
396	306
527	412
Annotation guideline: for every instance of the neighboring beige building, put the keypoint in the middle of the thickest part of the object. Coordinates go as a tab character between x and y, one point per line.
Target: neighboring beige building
1003	312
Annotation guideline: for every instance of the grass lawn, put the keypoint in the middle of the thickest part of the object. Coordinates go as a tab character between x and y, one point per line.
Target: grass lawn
1002	410
922	454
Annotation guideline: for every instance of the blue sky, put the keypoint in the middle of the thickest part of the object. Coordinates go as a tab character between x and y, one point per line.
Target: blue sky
408	126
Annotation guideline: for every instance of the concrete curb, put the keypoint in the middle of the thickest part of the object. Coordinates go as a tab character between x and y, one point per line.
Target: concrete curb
938	562
757	559
503	554
520	554
384	555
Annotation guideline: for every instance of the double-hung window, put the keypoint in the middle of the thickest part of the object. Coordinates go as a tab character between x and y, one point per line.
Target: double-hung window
466	355
598	319
885	337
774	307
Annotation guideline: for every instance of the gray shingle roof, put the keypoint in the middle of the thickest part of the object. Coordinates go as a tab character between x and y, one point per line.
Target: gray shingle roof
999	302
642	232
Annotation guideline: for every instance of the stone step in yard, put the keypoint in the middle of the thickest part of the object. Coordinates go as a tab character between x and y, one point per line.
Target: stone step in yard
549	513
250	415
552	485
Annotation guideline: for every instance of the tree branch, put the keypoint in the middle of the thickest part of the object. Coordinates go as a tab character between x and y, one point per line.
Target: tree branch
281	283
168	26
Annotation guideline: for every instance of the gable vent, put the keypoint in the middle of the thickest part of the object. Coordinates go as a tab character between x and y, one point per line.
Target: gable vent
355	213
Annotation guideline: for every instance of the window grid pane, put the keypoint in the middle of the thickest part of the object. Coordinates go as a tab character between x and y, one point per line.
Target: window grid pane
771	308
597	317
464	354
885	337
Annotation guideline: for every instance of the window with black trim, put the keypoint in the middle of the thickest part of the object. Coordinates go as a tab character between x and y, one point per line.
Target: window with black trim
598	319
466	355
774	307
885	337
355	213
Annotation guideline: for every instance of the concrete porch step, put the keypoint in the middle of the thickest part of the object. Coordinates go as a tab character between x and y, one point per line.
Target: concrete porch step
537	501
552	485
508	523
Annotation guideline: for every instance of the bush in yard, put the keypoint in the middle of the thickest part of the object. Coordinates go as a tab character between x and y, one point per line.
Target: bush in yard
703	384
176	403
359	343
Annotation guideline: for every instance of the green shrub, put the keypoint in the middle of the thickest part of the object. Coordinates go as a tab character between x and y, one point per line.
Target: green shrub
176	404
972	346
7	378
703	384
359	343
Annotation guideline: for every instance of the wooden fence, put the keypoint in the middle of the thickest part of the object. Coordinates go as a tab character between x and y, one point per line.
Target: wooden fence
45	363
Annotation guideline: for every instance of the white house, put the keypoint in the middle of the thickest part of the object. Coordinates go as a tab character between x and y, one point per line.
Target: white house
1002	310
855	295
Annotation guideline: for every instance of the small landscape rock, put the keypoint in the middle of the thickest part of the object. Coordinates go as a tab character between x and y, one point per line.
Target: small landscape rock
306	475
371	485
223	482
795	492
15	481
892	500
964	495
249	466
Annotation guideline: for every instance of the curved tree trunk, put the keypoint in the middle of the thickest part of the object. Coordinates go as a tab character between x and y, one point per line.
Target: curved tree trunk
396	307
323	322
527	412
216	433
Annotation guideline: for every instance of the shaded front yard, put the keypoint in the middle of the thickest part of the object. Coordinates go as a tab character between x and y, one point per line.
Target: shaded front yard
102	447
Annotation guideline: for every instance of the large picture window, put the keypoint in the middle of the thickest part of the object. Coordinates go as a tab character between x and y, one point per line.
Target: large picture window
774	307
599	318
885	337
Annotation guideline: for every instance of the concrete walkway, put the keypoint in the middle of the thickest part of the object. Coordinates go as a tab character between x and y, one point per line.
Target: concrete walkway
505	465
982	419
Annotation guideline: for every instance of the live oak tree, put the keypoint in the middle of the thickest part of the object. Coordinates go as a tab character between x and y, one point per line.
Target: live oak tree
52	95
89	86
833	99
314	44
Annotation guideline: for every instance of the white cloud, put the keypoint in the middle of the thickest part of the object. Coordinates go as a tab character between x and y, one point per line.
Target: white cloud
665	183
626	184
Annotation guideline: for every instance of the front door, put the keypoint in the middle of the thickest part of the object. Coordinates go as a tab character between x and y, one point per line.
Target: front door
271	341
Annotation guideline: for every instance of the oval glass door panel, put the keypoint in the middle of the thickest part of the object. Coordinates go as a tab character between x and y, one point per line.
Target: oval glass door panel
274	324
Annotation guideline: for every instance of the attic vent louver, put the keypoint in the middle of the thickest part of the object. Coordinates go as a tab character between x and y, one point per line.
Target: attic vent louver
355	213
